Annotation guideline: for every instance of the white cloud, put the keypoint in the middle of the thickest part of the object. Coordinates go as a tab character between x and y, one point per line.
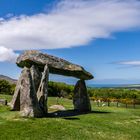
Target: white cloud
69	24
130	63
7	54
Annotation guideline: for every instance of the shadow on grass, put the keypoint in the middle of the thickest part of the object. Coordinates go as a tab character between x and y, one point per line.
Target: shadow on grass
73	118
71	113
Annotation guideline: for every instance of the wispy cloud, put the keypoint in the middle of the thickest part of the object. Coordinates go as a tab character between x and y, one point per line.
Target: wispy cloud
69	24
7	55
129	63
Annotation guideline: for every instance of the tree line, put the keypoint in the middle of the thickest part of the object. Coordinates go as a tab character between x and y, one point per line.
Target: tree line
118	95
59	89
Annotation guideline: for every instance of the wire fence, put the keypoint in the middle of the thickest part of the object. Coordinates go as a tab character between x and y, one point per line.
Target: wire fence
115	104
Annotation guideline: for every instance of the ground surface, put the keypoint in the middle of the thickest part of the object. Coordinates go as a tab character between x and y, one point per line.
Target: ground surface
103	123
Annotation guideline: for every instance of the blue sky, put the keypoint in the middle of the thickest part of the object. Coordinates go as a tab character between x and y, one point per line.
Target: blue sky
107	48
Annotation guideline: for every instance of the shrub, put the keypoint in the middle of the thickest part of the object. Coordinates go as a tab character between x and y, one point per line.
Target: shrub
6	87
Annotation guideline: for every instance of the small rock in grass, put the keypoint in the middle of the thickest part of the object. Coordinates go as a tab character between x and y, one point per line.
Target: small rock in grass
3	102
57	107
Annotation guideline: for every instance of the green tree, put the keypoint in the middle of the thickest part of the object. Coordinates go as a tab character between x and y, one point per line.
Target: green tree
6	87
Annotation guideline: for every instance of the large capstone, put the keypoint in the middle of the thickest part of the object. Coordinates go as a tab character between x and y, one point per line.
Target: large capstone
56	65
81	100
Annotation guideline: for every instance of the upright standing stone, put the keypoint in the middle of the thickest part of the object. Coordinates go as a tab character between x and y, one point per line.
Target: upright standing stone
81	100
25	98
15	102
36	76
28	101
42	92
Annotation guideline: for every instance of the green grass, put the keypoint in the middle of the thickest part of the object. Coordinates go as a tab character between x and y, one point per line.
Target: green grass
104	123
7	97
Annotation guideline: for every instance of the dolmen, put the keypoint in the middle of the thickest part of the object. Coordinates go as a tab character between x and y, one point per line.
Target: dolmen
30	97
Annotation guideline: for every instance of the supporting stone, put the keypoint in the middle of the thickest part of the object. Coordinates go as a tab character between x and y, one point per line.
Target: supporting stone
81	100
15	103
28	101
36	76
25	98
42	92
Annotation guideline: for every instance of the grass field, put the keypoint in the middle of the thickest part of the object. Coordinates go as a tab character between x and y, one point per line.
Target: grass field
103	123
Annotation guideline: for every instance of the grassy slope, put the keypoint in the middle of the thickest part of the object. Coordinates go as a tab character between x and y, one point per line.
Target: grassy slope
105	123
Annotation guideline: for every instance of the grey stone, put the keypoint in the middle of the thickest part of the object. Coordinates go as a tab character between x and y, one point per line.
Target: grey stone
30	97
25	99
42	92
3	102
56	65
15	102
81	100
36	76
57	107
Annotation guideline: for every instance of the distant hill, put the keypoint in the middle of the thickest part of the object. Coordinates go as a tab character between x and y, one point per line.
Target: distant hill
10	80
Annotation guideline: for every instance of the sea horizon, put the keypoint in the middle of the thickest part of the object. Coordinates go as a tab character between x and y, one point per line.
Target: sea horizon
112	85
